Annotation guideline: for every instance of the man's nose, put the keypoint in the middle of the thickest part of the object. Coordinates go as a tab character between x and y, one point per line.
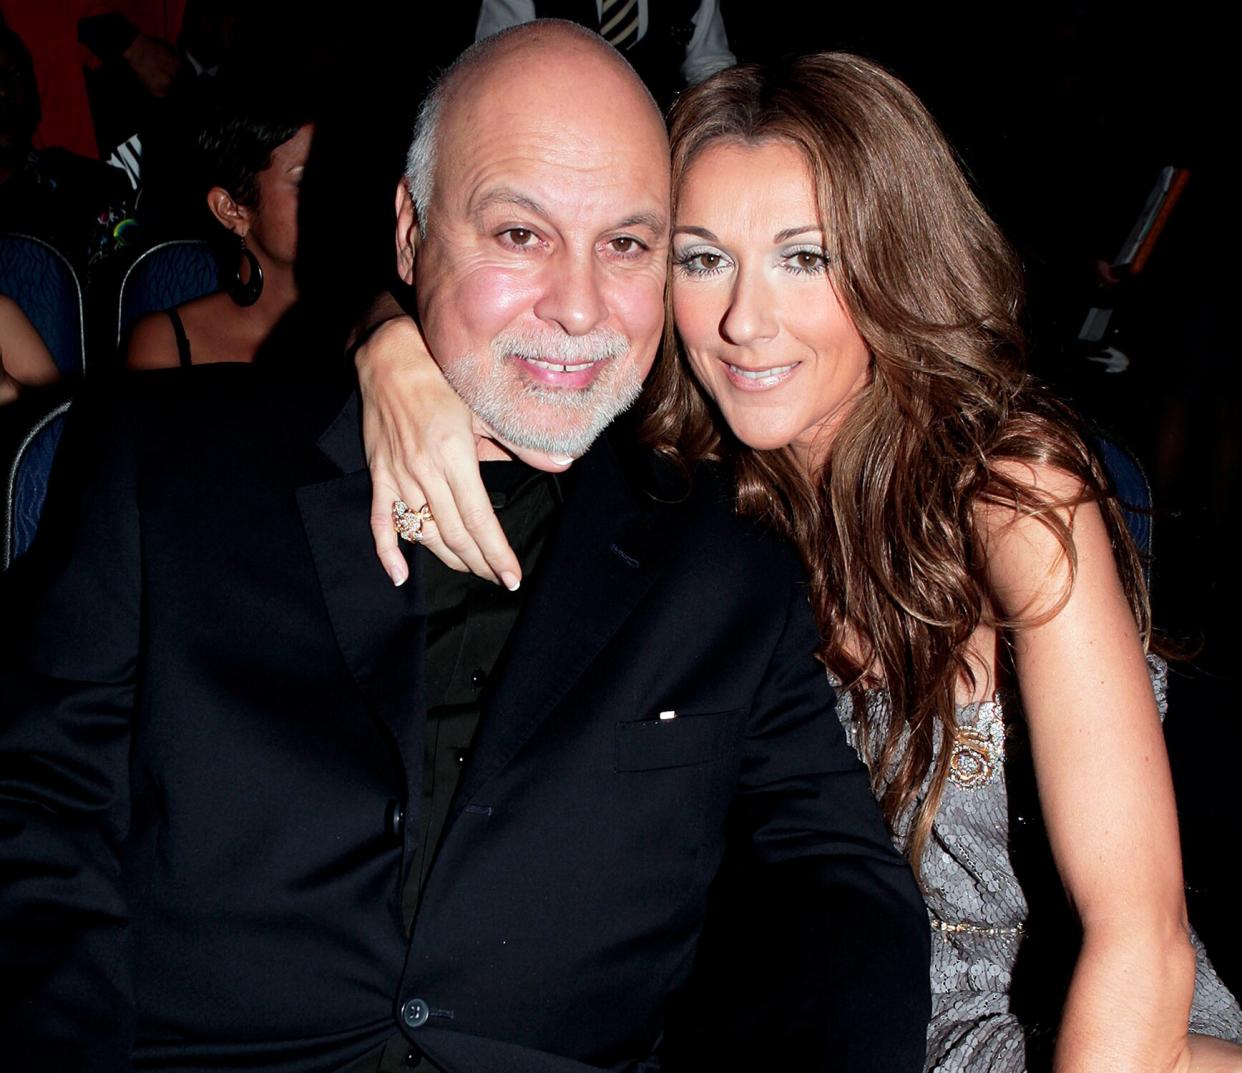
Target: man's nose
572	296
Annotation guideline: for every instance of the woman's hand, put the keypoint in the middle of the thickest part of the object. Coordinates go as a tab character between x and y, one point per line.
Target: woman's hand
423	446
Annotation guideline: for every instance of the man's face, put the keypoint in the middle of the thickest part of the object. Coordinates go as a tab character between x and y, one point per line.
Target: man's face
540	275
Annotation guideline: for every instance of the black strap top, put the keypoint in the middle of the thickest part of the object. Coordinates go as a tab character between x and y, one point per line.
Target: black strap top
183	341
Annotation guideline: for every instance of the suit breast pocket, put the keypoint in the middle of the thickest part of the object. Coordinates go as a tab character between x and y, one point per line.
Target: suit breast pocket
683	741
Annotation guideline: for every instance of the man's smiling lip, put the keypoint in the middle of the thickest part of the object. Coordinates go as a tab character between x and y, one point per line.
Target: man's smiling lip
553	367
759	379
555	374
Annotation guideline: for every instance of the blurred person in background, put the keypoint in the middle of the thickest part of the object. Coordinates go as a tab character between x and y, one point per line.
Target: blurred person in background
251	156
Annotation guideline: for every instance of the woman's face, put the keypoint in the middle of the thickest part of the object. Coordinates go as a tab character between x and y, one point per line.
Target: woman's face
274	220
754	302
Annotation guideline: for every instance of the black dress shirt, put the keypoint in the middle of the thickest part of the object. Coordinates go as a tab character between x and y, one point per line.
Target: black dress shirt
468	623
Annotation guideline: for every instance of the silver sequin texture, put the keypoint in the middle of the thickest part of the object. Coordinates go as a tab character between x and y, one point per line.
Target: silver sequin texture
978	911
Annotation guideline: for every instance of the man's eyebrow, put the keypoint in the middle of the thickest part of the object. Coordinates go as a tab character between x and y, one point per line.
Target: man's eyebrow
653	221
508	197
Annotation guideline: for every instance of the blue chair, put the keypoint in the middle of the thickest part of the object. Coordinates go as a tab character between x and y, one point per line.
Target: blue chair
1133	493
26	486
40	280
164	276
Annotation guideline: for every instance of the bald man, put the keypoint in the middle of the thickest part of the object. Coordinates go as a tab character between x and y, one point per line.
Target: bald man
262	810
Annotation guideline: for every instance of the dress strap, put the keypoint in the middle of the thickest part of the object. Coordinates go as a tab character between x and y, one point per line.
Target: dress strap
183	341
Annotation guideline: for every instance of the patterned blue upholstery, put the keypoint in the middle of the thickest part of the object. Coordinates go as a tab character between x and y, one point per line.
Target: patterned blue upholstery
1133	490
165	276
27	481
41	281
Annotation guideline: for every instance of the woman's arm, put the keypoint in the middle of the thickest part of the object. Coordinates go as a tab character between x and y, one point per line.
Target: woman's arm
423	446
24	359
1104	784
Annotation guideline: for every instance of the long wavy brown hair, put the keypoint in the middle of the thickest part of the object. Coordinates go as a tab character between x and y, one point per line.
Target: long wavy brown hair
888	527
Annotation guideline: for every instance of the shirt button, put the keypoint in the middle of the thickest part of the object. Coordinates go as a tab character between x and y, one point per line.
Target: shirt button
478	678
394	820
415	1013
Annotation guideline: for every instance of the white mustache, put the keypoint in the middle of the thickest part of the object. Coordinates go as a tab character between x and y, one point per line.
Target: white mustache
558	348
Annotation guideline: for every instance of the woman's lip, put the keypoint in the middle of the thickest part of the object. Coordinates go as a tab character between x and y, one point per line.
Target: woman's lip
759	379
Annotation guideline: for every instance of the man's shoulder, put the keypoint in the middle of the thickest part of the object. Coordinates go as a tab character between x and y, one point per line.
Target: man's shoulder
697	507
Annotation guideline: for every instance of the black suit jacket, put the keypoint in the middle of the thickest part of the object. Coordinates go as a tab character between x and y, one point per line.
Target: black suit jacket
212	727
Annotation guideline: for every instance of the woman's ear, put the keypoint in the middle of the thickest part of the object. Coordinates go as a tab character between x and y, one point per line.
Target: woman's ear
232	216
407	232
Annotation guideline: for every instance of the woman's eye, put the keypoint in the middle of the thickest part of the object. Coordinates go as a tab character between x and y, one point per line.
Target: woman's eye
702	263
810	261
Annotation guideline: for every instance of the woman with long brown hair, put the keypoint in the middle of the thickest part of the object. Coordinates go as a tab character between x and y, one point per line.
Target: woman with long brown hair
847	340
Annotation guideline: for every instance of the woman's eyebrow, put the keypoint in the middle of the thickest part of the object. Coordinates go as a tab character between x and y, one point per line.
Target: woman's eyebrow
780	236
790	232
701	232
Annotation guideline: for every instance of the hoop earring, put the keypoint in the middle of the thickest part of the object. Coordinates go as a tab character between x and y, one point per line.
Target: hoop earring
245	294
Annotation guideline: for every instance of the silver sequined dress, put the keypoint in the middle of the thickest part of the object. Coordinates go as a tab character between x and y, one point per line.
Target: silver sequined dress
978	909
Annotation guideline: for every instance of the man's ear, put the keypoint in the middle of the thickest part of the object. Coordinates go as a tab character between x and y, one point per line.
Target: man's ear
408	232
234	217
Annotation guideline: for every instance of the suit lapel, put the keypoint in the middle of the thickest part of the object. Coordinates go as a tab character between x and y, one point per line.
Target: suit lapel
379	628
599	563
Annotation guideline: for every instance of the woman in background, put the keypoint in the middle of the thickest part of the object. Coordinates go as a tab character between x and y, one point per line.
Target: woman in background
251	155
850	346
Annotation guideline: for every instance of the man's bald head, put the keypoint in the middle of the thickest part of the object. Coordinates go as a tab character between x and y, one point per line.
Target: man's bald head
547	54
542	165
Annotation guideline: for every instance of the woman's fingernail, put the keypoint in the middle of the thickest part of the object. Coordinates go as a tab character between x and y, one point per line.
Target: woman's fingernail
565	460
398	574
510	580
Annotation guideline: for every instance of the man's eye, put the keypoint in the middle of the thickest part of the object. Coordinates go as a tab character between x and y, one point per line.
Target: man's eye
520	236
626	244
